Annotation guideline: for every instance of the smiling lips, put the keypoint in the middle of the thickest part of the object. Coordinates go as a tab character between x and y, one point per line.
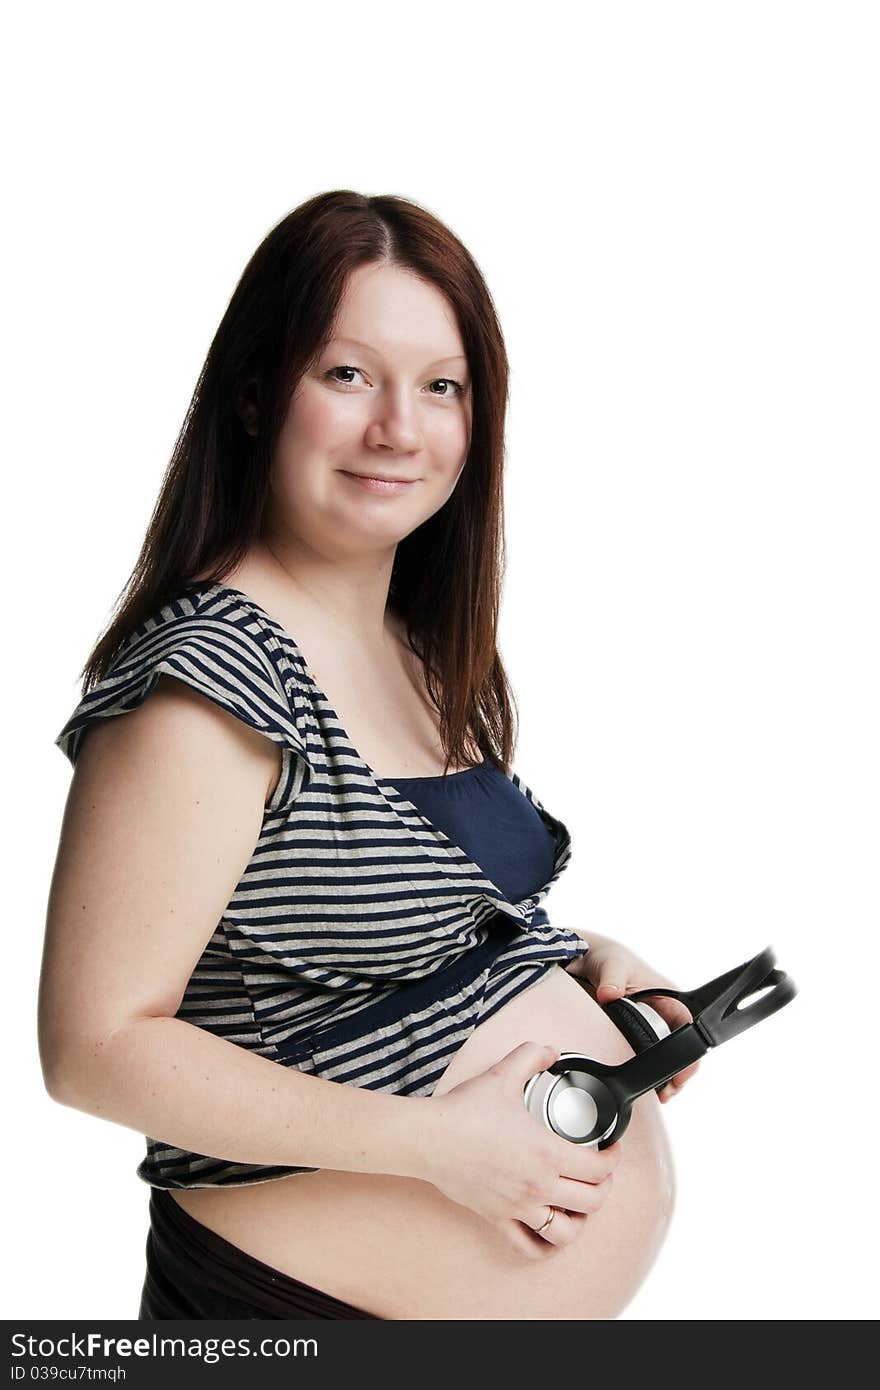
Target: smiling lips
382	485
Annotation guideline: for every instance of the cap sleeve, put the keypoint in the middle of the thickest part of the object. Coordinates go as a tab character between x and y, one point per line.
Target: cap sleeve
222	660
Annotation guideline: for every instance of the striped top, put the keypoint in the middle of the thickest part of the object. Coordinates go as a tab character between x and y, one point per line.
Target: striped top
361	943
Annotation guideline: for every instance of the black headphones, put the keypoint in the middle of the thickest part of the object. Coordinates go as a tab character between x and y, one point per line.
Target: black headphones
590	1102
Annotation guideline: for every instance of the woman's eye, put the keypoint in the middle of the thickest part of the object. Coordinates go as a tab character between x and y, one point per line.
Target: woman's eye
448	381
341	369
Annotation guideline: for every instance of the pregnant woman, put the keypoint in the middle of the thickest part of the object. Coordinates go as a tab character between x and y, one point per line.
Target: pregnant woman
295	931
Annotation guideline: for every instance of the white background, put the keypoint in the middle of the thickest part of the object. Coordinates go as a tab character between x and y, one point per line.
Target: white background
676	209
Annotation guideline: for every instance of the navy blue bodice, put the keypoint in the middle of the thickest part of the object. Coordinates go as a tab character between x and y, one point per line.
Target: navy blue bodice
484	814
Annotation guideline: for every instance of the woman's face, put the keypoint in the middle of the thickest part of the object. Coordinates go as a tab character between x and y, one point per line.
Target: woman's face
390	396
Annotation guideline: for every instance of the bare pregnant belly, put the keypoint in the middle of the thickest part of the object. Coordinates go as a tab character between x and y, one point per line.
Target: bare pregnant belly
398	1248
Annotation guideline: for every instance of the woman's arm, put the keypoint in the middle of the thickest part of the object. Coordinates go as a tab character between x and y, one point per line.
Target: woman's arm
164	1077
164	810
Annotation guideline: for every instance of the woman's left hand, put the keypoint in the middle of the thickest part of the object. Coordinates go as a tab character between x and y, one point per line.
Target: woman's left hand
610	970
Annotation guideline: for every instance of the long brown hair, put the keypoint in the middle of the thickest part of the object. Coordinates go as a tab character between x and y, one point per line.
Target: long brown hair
447	574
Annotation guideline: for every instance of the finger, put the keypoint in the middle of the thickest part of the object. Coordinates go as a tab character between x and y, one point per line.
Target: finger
685	1074
672	1086
672	1011
612	977
584	1198
608	990
562	1230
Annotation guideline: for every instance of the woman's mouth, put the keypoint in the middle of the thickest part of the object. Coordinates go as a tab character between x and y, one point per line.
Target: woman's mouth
388	486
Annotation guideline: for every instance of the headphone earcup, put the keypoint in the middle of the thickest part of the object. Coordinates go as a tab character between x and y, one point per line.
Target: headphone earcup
641	1025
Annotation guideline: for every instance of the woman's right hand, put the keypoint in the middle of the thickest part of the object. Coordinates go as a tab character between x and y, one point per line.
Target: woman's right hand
490	1154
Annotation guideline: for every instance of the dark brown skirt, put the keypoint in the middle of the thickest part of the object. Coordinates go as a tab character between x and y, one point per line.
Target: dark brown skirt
194	1273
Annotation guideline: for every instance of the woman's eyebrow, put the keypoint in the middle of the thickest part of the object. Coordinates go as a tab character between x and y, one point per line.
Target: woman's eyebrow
365	347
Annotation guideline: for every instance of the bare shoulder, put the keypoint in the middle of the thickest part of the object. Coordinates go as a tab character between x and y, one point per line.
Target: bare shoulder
185	713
